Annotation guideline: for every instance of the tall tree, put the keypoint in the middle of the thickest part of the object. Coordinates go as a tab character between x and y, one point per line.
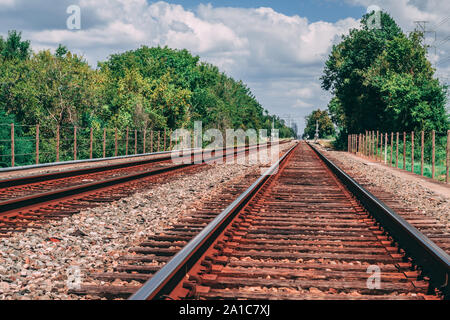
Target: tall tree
14	47
381	79
326	128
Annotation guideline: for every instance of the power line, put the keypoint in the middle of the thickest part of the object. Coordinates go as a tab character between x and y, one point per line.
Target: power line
421	26
446	19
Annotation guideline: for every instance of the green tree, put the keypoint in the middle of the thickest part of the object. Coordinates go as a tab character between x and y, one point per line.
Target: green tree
14	47
381	80
326	128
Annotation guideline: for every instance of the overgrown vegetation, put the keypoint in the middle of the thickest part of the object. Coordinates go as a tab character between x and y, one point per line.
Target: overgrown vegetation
147	88
326	127
382	80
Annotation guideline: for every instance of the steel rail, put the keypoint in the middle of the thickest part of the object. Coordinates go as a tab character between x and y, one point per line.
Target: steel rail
6	183
166	279
432	259
9	206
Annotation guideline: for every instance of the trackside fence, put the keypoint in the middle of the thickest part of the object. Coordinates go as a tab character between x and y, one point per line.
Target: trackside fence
423	153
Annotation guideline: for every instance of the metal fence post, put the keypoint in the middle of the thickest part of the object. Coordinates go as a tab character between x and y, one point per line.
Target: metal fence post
135	141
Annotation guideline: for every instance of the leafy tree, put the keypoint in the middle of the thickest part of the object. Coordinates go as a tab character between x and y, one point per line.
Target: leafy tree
148	88
14	47
326	127
381	80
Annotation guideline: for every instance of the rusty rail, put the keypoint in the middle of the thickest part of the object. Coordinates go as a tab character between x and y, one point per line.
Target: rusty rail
433	260
172	273
426	254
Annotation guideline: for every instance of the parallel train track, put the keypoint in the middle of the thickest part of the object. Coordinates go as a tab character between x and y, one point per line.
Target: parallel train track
29	201
304	230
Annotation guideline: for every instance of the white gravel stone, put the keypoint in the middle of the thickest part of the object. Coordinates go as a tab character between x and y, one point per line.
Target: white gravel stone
34	268
410	192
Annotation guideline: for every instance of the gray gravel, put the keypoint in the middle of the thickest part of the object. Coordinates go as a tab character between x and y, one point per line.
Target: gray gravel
32	266
409	191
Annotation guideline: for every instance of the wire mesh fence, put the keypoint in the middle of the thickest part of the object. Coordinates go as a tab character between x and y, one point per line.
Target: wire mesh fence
423	153
22	145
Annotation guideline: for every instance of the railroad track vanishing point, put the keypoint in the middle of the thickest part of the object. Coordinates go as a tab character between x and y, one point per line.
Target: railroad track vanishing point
301	233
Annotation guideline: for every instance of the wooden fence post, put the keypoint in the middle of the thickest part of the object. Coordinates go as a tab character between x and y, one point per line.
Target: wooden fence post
362	144
75	143
115	138
396	152
104	142
373	144
37	144
57	143
433	141
159	140
145	137
381	146
404	150
447	157
151	141
91	144
412	151
422	146
392	148
376	151
126	148
348	143
385	147
165	135
13	156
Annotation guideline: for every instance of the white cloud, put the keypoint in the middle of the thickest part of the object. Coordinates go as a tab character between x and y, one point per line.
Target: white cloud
302	104
7	3
281	57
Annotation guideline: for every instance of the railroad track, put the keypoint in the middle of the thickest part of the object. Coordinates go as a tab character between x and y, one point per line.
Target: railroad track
34	199
307	232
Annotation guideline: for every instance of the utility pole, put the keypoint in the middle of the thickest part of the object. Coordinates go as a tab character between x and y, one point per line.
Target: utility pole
422	27
316	136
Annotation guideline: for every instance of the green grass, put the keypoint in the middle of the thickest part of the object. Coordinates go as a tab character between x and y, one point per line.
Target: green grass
440	156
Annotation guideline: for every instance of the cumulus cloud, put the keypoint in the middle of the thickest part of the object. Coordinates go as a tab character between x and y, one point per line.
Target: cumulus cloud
281	57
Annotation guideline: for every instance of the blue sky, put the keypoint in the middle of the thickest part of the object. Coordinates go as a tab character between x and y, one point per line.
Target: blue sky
277	47
314	10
